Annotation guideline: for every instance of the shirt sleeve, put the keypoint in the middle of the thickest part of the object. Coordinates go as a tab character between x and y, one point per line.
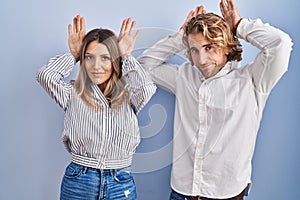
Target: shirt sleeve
140	84
51	78
275	48
154	62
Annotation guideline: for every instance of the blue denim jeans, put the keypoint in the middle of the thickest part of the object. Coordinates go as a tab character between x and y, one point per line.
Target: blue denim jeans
85	183
176	196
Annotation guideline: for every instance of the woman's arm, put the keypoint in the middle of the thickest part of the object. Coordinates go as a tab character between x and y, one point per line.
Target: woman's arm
52	78
140	85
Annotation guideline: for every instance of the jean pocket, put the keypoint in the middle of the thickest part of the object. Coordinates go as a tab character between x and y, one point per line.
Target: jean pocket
73	170
122	175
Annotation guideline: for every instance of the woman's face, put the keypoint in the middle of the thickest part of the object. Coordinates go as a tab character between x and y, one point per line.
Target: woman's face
98	62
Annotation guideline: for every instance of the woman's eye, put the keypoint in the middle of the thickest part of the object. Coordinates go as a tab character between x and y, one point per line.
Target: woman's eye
106	58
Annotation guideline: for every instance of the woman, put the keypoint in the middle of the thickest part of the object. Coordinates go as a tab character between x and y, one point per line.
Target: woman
100	129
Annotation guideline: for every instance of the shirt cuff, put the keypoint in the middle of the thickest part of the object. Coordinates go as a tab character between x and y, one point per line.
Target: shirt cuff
129	63
245	26
69	54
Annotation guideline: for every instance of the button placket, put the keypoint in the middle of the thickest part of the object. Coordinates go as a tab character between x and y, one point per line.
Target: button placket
202	133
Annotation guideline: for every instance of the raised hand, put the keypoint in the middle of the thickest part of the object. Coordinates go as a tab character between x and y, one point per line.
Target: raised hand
193	13
126	37
76	35
230	14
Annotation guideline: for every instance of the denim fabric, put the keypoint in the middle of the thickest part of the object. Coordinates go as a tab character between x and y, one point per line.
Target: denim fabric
84	183
176	196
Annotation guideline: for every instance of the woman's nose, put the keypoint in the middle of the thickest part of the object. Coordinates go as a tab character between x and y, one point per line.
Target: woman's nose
98	64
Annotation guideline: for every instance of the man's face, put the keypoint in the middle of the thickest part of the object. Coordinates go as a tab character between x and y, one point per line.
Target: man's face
206	57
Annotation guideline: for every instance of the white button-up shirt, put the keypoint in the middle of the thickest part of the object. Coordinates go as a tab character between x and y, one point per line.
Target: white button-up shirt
217	119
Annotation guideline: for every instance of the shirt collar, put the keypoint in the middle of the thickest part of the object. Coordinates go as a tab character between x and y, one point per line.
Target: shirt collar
98	94
229	66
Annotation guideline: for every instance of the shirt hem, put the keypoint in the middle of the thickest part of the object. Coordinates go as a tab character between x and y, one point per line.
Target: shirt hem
98	164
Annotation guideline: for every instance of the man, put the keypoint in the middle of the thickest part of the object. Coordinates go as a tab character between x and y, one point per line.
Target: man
219	105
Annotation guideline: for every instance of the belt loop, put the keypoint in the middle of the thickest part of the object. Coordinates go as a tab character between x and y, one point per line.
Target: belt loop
84	169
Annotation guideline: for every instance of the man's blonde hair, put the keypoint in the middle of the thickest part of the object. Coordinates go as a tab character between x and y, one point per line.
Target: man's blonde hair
217	31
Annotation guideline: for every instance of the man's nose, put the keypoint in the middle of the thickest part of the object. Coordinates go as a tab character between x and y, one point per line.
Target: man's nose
202	57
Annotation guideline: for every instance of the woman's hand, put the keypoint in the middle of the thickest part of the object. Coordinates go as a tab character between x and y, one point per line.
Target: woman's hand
76	35
126	38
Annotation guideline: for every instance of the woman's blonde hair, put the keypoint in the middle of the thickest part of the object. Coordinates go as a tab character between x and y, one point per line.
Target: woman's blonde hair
115	90
217	31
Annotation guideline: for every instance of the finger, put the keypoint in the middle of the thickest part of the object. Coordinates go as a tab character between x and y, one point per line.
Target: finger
74	24
132	27
231	4
82	22
199	10
127	28
224	9
137	33
69	30
221	8
78	23
223	5
122	30
191	14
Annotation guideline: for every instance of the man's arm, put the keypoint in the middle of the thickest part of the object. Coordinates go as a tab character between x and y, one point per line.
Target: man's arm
272	61
275	47
154	59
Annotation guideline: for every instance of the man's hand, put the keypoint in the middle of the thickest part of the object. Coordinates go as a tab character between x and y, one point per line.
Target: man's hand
193	13
230	14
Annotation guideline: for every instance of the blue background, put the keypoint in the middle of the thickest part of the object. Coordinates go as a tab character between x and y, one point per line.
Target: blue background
33	158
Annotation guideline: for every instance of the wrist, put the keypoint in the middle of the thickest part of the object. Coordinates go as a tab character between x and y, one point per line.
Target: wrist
76	56
125	55
236	26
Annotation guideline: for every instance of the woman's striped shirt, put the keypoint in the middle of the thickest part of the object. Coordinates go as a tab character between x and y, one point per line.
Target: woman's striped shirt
106	138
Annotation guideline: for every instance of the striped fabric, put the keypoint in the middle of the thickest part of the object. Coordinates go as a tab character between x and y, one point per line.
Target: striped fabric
106	138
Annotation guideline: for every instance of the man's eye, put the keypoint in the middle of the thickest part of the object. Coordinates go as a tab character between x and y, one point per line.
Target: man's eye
208	47
194	50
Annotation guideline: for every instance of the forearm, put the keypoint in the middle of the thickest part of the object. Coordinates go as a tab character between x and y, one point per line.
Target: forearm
51	78
275	47
141	86
153	60
161	51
